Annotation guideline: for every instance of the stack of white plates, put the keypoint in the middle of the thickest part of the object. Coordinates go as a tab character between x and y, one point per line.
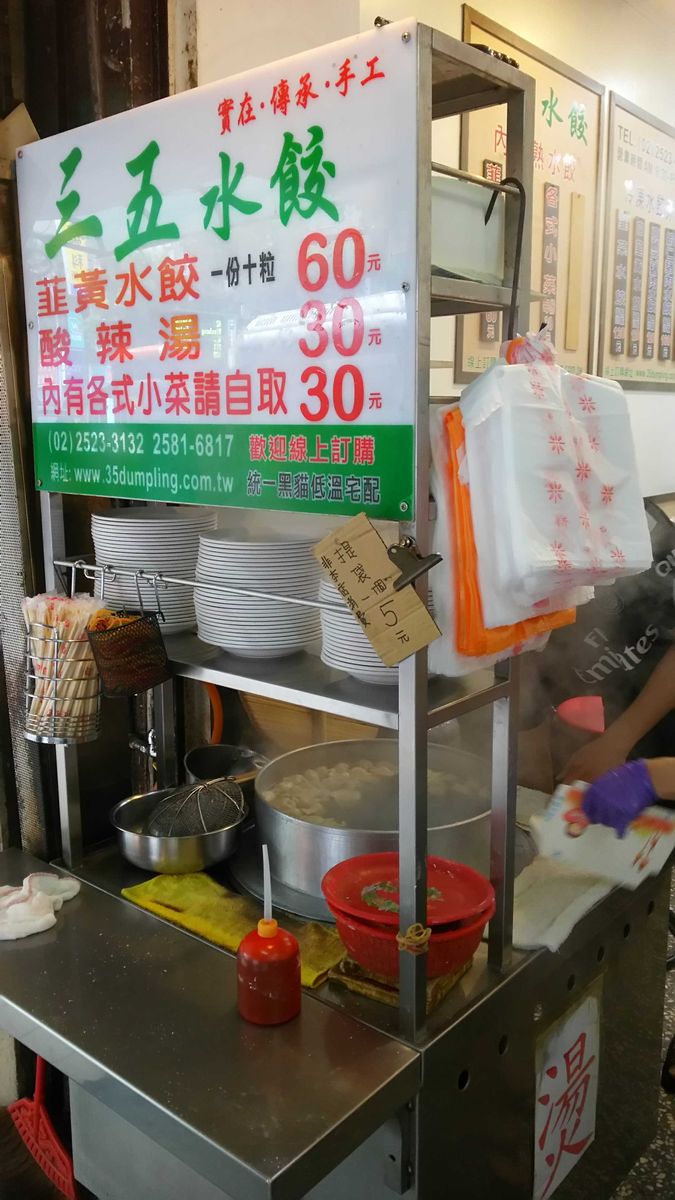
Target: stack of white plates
250	626
152	539
345	645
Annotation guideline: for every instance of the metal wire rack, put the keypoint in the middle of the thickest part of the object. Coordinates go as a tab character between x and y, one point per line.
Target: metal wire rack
156	580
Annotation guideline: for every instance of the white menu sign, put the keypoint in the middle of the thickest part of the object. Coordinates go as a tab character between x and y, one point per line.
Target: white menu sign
220	289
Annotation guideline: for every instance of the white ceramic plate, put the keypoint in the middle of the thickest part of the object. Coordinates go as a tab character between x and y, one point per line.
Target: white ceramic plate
155	512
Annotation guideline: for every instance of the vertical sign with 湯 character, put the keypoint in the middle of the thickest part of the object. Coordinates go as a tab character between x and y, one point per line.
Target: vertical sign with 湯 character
217	310
640	193
566	155
567	1070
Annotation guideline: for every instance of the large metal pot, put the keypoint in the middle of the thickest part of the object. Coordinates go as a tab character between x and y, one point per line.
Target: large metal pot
301	852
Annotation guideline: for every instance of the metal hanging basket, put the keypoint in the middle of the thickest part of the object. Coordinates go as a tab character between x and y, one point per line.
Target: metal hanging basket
131	657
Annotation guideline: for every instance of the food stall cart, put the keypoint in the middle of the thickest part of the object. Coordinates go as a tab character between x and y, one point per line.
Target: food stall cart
322	165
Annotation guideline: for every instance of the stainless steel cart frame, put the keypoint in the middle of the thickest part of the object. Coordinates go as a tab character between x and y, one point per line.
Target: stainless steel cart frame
425	1107
452	78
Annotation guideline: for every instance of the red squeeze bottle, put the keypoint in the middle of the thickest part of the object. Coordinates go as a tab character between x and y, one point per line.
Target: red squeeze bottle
268	975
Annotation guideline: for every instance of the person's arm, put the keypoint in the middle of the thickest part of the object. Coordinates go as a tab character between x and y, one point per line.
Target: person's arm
662	774
535	764
656	699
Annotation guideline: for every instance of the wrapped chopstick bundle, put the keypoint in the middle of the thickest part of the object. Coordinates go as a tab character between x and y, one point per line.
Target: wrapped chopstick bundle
62	684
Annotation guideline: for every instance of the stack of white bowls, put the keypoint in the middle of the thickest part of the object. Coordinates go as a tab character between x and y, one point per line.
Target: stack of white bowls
258	561
345	645
151	539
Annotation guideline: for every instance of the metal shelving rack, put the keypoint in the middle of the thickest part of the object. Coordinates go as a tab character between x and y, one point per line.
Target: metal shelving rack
452	78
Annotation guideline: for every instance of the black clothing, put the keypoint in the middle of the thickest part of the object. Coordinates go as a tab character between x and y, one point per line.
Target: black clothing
615	644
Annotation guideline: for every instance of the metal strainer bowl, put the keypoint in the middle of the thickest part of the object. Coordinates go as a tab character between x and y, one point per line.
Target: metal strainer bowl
171	855
198	808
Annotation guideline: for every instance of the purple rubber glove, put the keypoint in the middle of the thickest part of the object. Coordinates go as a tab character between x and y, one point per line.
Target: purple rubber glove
619	796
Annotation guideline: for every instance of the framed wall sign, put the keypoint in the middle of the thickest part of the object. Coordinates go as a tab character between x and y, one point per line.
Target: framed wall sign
636	310
565	214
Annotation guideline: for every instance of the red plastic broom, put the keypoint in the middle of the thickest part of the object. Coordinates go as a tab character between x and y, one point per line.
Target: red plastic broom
39	1136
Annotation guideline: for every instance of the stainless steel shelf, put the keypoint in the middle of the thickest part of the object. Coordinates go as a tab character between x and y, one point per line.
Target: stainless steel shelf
303	679
451	297
464	79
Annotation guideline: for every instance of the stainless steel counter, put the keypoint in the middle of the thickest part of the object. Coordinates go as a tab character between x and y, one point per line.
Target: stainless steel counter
143	1017
105	869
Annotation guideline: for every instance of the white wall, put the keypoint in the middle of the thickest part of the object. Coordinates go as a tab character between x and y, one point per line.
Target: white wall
625	44
236	35
652	416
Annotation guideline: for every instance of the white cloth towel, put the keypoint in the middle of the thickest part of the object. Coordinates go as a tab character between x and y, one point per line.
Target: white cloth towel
549	900
32	907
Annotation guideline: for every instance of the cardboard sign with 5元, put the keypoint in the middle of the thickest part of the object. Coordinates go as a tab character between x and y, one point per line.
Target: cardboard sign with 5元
396	623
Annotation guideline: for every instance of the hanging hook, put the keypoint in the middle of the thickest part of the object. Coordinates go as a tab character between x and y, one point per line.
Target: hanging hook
138	576
156	579
79	565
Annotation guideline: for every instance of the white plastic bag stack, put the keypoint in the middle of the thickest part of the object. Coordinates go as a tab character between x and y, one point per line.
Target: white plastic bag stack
555	498
444	658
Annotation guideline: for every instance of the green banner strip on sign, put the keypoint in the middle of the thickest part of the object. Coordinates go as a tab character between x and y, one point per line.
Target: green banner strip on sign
333	469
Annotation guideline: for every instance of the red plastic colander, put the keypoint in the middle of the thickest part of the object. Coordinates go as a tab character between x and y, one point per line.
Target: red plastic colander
39	1136
375	947
366	887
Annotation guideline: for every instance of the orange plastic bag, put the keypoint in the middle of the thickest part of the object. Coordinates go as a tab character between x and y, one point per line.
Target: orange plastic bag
471	636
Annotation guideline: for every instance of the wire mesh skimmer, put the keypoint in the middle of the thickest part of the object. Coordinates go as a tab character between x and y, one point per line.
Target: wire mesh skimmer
200	808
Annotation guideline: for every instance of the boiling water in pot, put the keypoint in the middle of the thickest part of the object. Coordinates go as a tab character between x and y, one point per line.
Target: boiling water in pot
364	794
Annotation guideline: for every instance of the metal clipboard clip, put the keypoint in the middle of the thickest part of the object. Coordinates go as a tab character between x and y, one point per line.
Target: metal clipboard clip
410	562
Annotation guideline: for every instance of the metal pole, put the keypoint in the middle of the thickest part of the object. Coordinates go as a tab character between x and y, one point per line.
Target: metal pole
165	731
503	820
70	813
519	151
520	139
413	684
412	816
480	180
156	580
67	773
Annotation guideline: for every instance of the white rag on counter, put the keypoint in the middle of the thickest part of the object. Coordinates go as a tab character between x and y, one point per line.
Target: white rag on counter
32	907
550	898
